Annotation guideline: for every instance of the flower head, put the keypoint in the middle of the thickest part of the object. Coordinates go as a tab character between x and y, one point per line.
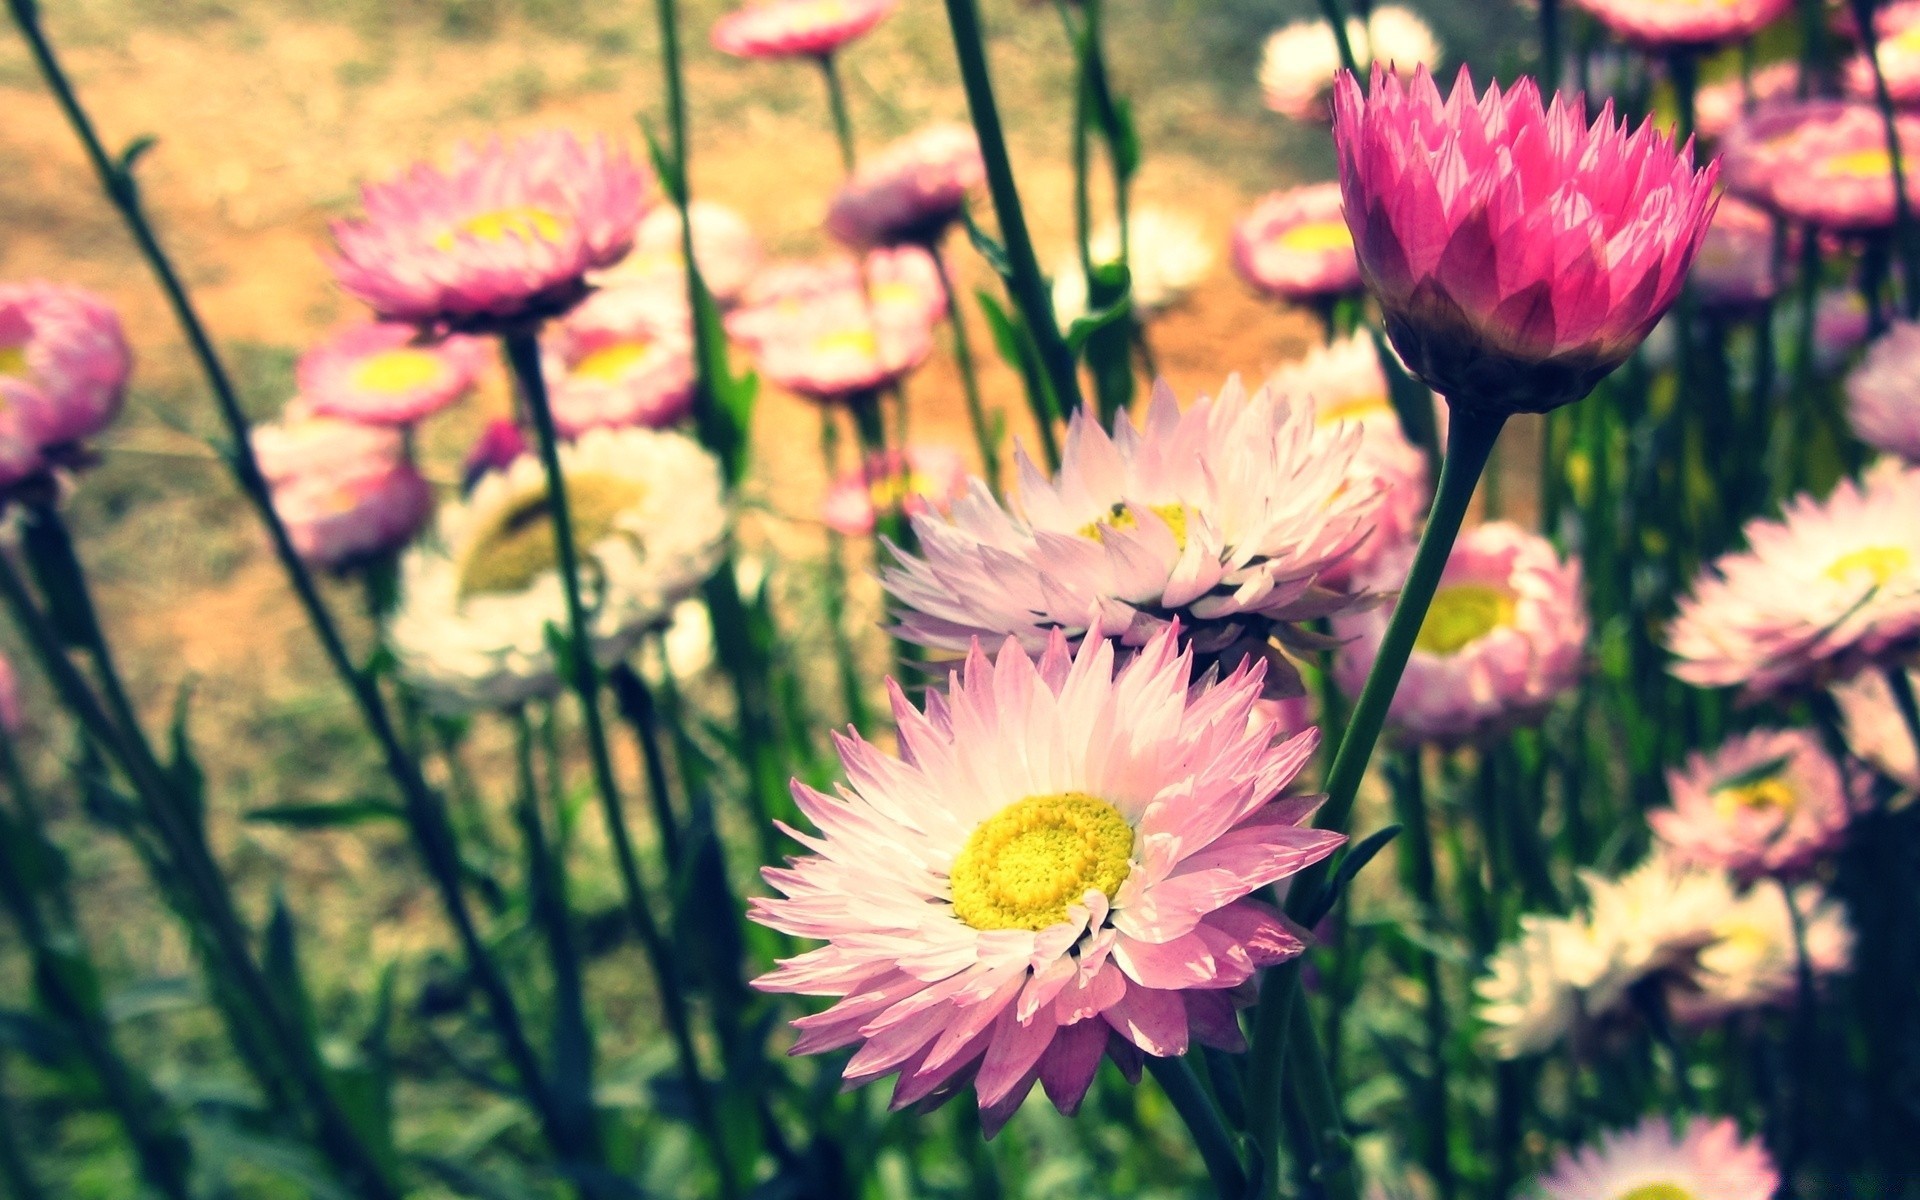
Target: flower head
790	28
1058	867
1295	244
1897	29
649	518
1833	168
507	233
1709	1160
1833	585
824	331
1736	269
1766	803
1226	516
915	480
1168	254
724	245
624	357
64	364
304	442
1518	253
1299	61
1685	22
383	374
1753	959
1504	637
1883	393
911	191
346	492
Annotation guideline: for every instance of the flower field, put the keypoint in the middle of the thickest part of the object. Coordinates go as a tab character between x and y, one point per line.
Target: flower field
846	598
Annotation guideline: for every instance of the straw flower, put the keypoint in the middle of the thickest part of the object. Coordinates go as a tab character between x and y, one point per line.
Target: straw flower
1709	1160
1765	803
383	374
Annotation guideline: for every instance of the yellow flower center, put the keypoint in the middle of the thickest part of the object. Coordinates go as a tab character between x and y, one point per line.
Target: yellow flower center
524	222
396	371
1315	237
1770	794
1353	408
1028	863
517	545
1120	516
1879	563
890	491
1461	615
1861	164
1656	1191
1908	41
893	293
13	362
611	364
848	341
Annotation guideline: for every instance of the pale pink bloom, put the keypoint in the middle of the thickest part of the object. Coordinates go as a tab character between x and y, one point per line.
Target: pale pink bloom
1883	393
1769	802
920	478
1295	244
1876	732
1897	26
911	191
1685	22
789	28
1756	147
499	445
506	233
1299	60
1505	636
64	364
336	520
1058	867
1497	296
823	332
1708	1161
1752	961
1823	162
1832	586
12	718
1736	269
724	245
380	373
624	357
1226	516
1719	105
304	442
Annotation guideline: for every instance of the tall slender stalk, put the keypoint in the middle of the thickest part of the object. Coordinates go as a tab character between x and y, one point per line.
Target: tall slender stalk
1182	1086
1417	870
853	693
985	439
842	118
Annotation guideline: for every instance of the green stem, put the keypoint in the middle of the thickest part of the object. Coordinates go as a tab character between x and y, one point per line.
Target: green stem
635	701
1336	16
1028	285
1417	870
1176	1077
984	438
842	120
523	350
1549	46
1310	1086
852	689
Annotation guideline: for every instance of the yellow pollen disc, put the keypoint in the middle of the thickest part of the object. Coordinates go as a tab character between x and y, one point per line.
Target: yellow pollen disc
1656	1191
1461	615
1353	408
889	492
517	545
1315	237
1121	517
1879	563
1771	794
611	364
1861	164
13	362
525	223
395	371
1028	863
848	341
888	294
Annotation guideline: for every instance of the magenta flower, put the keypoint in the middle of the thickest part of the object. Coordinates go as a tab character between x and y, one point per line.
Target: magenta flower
505	234
1769	802
64	364
384	374
1294	244
1518	254
1656	23
624	357
919	479
1058	868
1504	637
791	28
911	191
1735	270
1883	393
1709	1160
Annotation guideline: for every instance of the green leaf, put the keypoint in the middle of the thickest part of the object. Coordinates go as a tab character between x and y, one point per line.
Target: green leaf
184	770
327	816
280	959
134	152
989	248
1349	866
1110	313
1123	137
664	164
1752	775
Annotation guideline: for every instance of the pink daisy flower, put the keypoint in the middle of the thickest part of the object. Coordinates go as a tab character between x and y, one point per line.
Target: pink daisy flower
724	245
1830	587
1883	393
1835	171
1708	1160
624	357
1757	144
822	332
1058	868
1226	516
336	520
921	478
303	441
1506	635
64	364
1685	22
791	28
1768	802
1494	297
1897	27
1294	244
911	191
1718	106
1735	270
506	233
383	374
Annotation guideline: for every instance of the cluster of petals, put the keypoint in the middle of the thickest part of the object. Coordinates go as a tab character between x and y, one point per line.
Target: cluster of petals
1736	270
829	331
1707	1159
1518	253
1685	22
381	373
1294	244
1752	961
1896	29
919	479
794	28
1299	61
1149	960
1226	516
623	357
64	365
724	245
1769	802
1819	161
1505	636
1720	105
506	232
1876	732
911	191
1831	586
1883	393
346	492
1168	253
